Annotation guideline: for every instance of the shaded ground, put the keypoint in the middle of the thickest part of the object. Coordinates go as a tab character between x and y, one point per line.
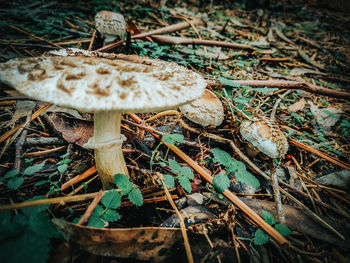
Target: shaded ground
305	45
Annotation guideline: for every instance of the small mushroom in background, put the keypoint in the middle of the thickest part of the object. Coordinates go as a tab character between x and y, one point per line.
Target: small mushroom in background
107	87
110	25
266	136
206	110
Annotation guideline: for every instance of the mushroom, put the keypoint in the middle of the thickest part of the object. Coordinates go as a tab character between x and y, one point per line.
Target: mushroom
206	110
107	87
110	25
266	136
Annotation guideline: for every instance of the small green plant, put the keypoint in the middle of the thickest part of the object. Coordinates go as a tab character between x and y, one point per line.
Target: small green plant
25	236
261	238
151	49
299	119
169	139
237	168
111	200
62	167
184	175
345	127
14	178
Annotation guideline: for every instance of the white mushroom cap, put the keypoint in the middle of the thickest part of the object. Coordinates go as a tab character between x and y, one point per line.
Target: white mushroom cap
110	24
125	83
265	136
207	110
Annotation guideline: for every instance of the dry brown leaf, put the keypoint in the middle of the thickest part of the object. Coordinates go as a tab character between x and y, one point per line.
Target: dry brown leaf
297	106
78	132
141	243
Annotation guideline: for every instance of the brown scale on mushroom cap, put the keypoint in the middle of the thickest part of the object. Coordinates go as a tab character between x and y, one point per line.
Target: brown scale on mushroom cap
126	83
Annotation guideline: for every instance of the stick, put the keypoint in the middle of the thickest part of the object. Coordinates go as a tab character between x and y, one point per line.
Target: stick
277	195
92	40
181	220
91	208
19	144
286	84
35	115
40	153
49	201
33	36
163	30
204	42
79	178
320	154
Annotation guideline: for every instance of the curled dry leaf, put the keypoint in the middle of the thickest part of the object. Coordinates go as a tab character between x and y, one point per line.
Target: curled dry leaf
140	243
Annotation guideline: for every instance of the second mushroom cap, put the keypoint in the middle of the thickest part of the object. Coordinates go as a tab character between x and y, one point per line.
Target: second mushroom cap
206	110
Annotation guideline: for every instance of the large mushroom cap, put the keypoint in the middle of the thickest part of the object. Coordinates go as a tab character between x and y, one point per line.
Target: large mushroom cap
206	110
265	136
124	83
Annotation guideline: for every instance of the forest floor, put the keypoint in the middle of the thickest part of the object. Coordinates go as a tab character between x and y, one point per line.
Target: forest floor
285	65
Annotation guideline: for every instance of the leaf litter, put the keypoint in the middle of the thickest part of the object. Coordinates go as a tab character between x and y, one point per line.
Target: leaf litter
250	55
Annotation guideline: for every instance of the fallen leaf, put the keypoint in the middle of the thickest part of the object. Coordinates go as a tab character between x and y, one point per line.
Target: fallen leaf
23	107
297	106
141	243
77	131
326	117
302	71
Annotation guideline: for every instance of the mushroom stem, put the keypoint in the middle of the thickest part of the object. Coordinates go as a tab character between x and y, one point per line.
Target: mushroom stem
107	143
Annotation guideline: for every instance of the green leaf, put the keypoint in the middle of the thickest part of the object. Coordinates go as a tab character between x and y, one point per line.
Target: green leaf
265	90
111	215
241	100
268	217
221	157
123	183
178	137
236	166
111	199
64	161
96	222
186	171
98	211
33	169
62	168
163	164
246	177
172	138
11	173
33	210
169	180
42	182
228	82
174	166
26	247
283	229
15	183
260	237
63	156
221	182
5	217
185	183
135	197
41	225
